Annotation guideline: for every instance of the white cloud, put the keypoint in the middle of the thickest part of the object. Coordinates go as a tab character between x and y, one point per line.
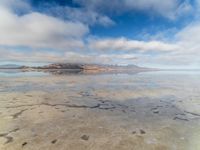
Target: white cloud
43	56
99	59
39	30
10	54
85	16
131	45
190	34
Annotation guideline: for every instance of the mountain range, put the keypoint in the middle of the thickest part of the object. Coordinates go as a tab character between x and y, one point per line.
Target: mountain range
10	66
73	66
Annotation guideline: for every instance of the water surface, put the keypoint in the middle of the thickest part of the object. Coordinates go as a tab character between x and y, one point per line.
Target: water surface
148	111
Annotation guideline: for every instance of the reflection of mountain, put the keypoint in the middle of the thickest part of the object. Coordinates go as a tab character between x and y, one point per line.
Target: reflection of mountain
83	72
63	71
69	68
73	69
11	71
91	67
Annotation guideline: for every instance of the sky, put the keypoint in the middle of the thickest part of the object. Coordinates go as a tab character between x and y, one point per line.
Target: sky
149	33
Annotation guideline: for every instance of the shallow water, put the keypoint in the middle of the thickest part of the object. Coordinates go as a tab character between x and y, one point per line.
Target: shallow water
148	111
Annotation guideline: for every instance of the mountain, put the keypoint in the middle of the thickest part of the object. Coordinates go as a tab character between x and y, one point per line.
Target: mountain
61	66
10	66
83	68
89	67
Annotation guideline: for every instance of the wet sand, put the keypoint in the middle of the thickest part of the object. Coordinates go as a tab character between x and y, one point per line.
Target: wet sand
147	111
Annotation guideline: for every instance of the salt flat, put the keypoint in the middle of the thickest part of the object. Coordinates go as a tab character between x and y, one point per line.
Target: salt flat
144	111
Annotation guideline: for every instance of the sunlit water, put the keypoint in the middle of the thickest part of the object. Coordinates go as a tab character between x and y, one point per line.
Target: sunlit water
148	110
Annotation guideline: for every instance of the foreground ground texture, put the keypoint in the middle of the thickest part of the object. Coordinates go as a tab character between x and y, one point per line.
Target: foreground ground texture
147	111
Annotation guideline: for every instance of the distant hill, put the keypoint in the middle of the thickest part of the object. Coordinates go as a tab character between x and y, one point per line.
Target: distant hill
90	67
85	68
61	66
10	66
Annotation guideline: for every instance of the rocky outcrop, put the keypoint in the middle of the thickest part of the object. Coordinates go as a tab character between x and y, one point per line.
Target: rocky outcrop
62	66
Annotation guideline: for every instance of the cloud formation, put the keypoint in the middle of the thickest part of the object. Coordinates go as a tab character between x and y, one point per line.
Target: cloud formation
131	45
86	16
39	30
63	34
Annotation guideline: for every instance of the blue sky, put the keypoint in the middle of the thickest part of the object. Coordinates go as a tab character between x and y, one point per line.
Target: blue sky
151	33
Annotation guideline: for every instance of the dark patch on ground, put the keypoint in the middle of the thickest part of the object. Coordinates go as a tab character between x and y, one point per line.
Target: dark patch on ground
142	131
24	144
134	132
29	95
54	141
85	137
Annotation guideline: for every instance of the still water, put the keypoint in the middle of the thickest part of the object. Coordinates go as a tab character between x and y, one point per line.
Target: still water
60	111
